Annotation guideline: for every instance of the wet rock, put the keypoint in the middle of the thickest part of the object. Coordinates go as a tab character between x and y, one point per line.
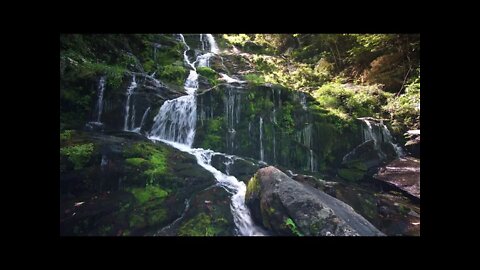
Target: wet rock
413	143
288	207
402	174
325	186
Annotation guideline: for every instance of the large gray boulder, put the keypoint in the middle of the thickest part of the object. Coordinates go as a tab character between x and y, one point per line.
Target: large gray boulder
287	207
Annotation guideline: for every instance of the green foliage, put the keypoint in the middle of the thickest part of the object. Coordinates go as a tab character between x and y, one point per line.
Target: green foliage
208	73
351	174
66	135
151	158
114	73
404	110
203	225
293	227
346	102
253	186
79	155
237	39
173	73
214	136
148	193
255	79
286	121
135	161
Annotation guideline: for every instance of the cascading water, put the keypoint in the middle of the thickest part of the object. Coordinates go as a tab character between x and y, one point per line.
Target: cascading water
175	125
130	89
379	133
261	135
97	124
101	89
137	129
213	44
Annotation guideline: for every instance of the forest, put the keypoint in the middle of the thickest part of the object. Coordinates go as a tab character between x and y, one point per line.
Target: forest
240	134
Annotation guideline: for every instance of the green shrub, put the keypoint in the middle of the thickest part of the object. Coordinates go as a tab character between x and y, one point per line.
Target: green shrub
79	155
208	73
255	79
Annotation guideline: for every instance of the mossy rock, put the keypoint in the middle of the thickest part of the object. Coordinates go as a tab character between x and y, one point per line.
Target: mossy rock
351	174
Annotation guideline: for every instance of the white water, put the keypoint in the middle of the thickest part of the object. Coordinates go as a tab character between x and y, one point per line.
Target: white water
175	125
261	135
241	214
101	89
130	89
379	133
137	129
229	79
303	100
312	161
213	44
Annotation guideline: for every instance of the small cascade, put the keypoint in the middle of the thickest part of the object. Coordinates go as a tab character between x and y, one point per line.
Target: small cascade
274	147
213	44
130	89
175	125
303	100
101	89
241	214
104	162
274	113
379	133
137	129
261	138
230	118
313	167
229	79
97	124
228	161
132	122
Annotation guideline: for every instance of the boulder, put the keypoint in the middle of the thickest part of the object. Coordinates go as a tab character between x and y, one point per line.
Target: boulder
287	207
402	174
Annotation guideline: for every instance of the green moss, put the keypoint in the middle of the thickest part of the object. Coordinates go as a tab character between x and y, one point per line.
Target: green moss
213	139
136	221
173	73
157	216
255	79
135	161
200	225
351	174
208	73
105	230
79	155
150	192
66	135
114	73
151	158
293	227
253	186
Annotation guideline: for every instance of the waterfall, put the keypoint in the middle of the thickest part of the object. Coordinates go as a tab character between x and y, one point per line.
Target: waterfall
261	135
213	44
175	125
176	118
130	89
143	120
230	116
202	42
101	89
229	79
379	133
303	100
274	146
312	161
132	122
241	214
